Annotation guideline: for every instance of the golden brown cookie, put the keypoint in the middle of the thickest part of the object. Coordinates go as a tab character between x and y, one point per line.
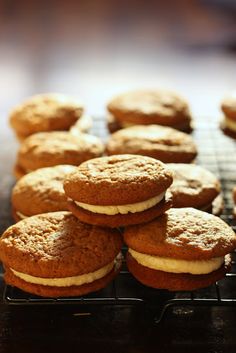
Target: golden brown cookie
187	245
118	190
54	254
228	107
40	191
150	107
194	186
45	112
163	143
47	149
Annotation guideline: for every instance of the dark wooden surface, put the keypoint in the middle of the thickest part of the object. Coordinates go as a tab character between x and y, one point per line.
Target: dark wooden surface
94	49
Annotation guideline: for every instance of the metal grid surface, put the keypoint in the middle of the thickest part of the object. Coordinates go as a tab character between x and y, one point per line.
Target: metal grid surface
217	153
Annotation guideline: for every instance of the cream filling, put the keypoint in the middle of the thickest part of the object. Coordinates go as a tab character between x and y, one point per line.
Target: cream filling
122	209
196	267
66	281
230	124
21	215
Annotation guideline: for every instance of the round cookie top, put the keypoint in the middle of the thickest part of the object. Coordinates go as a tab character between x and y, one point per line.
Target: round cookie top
150	107
46	149
228	105
41	191
182	233
193	186
45	112
117	180
58	245
164	143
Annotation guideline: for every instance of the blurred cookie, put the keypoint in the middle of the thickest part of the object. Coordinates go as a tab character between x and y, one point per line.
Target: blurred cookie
83	124
47	149
45	112
40	191
228	106
163	143
55	255
144	107
184	249
118	190
194	186
234	199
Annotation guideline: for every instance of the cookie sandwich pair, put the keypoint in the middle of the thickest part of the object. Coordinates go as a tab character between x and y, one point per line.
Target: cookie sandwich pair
145	107
56	255
47	149
49	112
163	143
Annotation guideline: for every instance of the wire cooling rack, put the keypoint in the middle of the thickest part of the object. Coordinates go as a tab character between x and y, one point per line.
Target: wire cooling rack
217	153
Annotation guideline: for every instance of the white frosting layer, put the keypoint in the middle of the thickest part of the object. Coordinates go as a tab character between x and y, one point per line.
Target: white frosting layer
67	281
197	267
122	209
230	124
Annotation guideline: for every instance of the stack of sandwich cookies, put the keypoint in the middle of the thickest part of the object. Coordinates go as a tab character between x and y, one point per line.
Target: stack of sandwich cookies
194	186
228	107
40	191
47	149
55	255
163	143
144	107
184	249
48	112
118	190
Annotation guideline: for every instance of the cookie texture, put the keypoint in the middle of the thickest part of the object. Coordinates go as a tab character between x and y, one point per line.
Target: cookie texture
41	191
182	233
117	180
57	245
45	112
193	186
175	281
47	149
163	143
119	220
150	107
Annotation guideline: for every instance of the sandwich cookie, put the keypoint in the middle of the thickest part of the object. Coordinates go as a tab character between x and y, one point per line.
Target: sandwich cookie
194	186
47	149
184	249
144	107
228	107
55	255
118	190
163	143
40	191
45	112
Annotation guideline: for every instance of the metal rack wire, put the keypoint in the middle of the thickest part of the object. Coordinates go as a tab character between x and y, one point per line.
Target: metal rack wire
217	153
